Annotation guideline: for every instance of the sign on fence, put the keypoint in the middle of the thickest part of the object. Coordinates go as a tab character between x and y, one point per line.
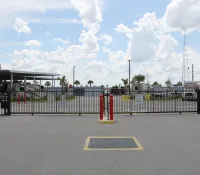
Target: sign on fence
147	96
139	99
125	97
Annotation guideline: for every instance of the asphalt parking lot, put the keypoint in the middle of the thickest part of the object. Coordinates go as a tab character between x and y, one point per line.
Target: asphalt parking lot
53	145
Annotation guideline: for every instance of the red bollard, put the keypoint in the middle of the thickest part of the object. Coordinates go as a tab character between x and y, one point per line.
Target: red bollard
18	98
24	97
101	107
111	107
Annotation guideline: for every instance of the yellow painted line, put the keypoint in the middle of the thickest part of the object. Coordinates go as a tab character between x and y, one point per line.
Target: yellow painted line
95	149
87	143
106	121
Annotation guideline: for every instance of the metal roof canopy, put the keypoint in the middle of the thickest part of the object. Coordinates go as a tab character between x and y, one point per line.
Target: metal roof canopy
21	75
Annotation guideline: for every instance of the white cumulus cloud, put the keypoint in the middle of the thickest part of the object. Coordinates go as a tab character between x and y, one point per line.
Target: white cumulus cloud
89	11
91	16
107	39
183	14
61	40
34	43
21	26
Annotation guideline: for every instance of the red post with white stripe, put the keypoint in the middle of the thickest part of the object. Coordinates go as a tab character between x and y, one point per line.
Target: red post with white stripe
111	107
101	107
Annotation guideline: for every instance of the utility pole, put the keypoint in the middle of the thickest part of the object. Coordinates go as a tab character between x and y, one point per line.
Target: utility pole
73	75
192	72
129	61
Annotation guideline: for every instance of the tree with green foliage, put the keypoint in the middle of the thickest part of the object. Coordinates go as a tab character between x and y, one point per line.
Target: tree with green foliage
63	83
77	83
138	78
115	90
125	81
90	82
47	84
168	83
179	83
155	83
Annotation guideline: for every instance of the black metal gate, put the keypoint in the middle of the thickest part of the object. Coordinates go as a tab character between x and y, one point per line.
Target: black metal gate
56	102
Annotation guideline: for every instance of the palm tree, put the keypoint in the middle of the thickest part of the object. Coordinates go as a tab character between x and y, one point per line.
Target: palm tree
63	83
90	82
138	78
77	83
125	81
47	84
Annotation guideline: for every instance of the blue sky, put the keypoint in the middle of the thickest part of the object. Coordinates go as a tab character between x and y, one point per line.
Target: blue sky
102	19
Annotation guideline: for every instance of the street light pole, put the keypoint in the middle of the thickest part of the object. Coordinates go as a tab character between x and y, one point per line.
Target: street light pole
130	101
129	61
73	75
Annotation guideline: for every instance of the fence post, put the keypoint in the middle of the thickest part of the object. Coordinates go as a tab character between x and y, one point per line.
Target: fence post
198	101
24	97
79	92
101	106
153	100
176	96
56	102
33	103
9	102
131	102
111	107
18	98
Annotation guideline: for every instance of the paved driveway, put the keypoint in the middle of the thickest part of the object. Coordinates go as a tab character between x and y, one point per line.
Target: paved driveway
53	145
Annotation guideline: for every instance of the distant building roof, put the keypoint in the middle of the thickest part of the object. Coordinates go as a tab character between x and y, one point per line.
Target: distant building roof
20	75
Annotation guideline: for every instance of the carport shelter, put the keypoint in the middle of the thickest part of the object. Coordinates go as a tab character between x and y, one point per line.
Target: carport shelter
11	76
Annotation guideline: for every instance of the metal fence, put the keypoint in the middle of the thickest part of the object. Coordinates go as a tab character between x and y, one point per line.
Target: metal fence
4	103
57	102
